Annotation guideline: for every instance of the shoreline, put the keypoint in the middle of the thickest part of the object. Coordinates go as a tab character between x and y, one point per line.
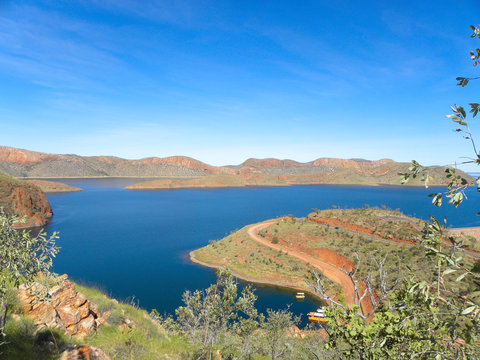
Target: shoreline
154	177
129	187
253	280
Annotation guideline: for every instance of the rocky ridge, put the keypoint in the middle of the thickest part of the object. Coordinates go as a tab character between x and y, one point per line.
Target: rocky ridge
61	307
25	163
182	171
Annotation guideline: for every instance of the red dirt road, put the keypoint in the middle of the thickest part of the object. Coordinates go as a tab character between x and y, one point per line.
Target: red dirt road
329	270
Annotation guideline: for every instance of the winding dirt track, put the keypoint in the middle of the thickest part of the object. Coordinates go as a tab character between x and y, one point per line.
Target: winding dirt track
330	271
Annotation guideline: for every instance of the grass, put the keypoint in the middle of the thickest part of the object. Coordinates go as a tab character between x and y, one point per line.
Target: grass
146	339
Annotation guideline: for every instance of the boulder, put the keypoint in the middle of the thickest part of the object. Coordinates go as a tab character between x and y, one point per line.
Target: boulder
68	314
84	352
86	326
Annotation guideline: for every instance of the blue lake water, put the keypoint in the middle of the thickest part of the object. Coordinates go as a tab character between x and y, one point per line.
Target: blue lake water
136	243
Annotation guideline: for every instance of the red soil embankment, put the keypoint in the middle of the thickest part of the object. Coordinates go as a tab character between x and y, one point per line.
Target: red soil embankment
333	258
355	228
331	271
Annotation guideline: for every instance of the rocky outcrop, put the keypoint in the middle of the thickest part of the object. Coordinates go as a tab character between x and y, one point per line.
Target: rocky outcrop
60	307
83	352
25	157
23	199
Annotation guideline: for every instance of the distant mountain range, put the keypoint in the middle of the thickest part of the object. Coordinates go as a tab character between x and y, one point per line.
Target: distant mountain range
25	163
30	164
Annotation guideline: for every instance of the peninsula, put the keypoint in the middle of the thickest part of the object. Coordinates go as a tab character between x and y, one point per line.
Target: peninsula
53	186
286	250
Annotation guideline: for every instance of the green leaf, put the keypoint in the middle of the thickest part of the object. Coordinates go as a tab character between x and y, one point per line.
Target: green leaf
468	310
449	271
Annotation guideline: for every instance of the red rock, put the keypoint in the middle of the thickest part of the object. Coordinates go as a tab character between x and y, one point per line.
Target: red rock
84	310
26	157
44	314
68	315
68	309
73	329
84	352
63	292
94	309
86	326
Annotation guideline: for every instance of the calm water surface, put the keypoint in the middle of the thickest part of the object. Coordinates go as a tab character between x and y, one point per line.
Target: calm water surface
136	243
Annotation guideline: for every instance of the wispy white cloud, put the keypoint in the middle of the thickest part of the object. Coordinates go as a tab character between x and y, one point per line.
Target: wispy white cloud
379	60
56	51
176	12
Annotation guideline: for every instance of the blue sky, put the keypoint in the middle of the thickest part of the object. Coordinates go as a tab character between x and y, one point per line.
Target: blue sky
222	81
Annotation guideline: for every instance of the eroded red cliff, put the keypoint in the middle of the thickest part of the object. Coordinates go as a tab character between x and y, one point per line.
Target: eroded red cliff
21	198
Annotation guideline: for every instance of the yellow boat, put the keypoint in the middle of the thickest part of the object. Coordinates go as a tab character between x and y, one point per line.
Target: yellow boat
317	316
300	295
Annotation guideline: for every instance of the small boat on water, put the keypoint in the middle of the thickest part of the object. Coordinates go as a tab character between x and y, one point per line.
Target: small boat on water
317	316
300	295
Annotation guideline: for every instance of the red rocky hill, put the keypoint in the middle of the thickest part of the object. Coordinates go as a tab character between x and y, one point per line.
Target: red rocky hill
24	199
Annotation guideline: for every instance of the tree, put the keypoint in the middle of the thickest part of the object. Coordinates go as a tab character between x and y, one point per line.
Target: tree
276	329
366	298
353	330
211	314
22	257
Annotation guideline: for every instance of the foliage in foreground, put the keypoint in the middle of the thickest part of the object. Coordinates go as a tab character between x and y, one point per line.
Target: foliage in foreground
22	257
423	319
